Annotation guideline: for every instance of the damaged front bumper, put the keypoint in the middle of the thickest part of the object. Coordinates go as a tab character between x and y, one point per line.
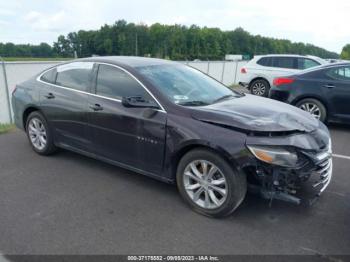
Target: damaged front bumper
325	170
301	184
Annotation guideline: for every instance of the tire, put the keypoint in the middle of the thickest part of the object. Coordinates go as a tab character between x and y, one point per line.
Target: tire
314	107
39	134
235	184
260	87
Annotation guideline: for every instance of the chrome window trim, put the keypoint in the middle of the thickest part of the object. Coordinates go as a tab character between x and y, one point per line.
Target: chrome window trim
105	97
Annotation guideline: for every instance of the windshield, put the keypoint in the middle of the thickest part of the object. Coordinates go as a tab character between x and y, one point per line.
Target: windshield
186	86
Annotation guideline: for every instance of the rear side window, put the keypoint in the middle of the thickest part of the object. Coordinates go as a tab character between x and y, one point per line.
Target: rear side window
76	75
340	73
49	76
284	62
265	61
115	83
305	63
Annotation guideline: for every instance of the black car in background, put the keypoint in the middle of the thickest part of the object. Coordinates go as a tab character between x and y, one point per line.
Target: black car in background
322	91
174	123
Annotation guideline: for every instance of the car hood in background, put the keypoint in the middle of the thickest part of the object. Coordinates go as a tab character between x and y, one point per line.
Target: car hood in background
253	113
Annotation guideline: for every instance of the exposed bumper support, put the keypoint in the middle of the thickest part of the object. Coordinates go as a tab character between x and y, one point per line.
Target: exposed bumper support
319	177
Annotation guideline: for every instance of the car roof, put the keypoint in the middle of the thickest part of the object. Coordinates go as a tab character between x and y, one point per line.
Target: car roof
131	61
320	67
282	55
334	64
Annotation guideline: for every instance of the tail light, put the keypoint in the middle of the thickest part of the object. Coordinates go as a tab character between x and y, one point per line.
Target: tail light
243	70
283	81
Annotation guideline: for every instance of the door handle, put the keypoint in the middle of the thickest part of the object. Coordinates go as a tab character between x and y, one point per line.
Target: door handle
96	107
50	96
329	85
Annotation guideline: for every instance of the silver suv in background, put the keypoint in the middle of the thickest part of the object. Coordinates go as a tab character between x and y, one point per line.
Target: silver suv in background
258	74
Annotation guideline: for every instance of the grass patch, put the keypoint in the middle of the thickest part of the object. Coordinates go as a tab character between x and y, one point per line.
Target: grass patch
4	128
21	59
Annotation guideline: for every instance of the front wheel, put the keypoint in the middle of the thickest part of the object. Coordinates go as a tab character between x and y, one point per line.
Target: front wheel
314	107
209	184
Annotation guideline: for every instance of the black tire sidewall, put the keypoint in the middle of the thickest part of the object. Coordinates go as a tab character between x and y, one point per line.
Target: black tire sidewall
236	183
50	147
320	105
265	83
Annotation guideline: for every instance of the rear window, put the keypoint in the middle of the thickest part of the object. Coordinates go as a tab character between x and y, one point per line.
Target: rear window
49	76
74	75
284	62
342	73
265	61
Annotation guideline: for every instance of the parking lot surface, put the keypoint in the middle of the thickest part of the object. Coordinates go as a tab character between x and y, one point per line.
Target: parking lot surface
71	204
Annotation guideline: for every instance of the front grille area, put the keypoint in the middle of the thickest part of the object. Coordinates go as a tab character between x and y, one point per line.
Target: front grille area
324	170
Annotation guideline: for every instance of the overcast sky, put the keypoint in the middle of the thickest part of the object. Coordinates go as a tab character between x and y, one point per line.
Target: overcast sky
323	23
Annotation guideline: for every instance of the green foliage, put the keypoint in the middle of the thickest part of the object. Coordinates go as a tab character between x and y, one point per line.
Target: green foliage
4	128
12	50
345	53
44	59
176	42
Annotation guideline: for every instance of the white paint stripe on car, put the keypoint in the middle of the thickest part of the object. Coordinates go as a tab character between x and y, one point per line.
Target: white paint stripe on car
341	156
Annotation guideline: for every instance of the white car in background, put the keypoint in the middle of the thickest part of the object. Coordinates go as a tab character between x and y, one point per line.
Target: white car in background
258	74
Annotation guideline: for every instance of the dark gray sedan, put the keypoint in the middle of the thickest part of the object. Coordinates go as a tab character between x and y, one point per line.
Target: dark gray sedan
173	123
324	92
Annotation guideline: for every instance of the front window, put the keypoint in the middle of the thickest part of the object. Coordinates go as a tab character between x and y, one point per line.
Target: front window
115	83
184	85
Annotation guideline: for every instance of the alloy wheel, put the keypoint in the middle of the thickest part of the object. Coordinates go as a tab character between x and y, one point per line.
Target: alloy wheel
311	108
258	89
205	184
37	133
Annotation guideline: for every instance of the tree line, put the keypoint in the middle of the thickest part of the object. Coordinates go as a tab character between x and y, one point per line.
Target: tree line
345	54
176	42
12	50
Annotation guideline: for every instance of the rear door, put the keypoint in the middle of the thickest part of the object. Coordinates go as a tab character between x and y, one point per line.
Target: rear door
63	100
134	137
337	90
271	67
284	65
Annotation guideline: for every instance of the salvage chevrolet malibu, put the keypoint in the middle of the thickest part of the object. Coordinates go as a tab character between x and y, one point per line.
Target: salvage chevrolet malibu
173	123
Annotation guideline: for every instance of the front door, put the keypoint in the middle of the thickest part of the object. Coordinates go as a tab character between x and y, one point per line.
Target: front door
133	137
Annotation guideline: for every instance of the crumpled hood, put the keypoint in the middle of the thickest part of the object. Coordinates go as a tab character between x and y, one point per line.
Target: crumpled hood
253	113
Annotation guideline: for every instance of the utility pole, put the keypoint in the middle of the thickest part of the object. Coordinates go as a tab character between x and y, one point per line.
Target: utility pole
136	45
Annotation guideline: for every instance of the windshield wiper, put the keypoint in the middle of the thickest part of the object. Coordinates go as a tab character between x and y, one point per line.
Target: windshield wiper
193	103
223	98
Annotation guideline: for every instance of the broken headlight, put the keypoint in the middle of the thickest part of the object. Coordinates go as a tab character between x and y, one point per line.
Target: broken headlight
275	155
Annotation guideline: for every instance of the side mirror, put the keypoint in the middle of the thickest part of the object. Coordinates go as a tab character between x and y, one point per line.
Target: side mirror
138	101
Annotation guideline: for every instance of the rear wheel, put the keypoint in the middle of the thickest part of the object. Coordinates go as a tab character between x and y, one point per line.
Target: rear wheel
260	87
314	107
209	184
39	134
